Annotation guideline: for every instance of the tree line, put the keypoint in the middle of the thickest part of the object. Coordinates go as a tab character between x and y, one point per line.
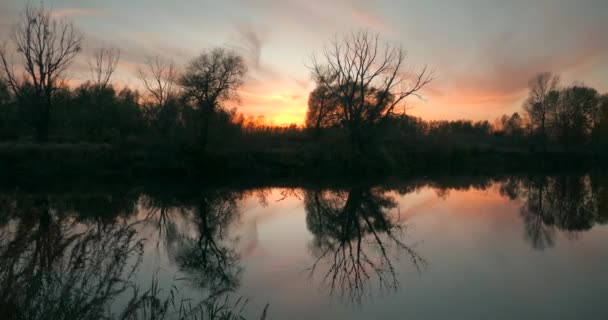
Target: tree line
36	101
358	106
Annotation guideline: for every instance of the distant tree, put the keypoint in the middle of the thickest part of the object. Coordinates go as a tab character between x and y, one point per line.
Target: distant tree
542	100
10	122
46	47
321	111
513	126
102	65
98	114
210	80
159	77
4	94
577	112
600	130
367	81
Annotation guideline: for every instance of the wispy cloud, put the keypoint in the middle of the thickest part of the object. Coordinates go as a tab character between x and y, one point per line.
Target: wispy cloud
483	52
75	12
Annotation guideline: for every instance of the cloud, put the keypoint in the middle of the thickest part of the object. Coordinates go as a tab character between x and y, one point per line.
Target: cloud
483	52
74	12
248	42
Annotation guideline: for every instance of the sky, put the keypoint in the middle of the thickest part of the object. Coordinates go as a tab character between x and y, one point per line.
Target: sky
482	52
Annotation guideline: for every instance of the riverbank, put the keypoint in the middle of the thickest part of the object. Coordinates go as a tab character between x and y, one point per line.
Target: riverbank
30	161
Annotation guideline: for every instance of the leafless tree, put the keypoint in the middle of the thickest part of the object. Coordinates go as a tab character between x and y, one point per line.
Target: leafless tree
542	100
159	77
212	79
367	80
102	65
45	46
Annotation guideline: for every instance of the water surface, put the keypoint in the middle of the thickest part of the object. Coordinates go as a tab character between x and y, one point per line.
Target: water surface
459	248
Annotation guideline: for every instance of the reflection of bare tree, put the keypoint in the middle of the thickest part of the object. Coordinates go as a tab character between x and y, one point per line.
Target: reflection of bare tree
535	212
207	256
564	203
354	235
52	267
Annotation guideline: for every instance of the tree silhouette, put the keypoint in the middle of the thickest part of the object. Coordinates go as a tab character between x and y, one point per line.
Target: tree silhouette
46	47
576	114
210	80
322	110
102	65
367	82
541	103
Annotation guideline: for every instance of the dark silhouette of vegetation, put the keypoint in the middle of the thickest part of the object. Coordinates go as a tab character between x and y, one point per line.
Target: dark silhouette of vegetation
210	80
103	64
365	81
567	116
542	102
45	46
180	124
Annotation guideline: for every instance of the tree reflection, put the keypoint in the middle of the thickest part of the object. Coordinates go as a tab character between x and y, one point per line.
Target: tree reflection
357	239
52	266
570	204
206	256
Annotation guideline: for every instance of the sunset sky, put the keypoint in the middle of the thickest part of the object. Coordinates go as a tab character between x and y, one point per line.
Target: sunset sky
482	52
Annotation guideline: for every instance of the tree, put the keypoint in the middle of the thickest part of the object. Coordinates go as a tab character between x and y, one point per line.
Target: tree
367	82
513	126
210	80
600	130
4	94
159	77
577	112
102	65
542	100
10	117
321	111
46	47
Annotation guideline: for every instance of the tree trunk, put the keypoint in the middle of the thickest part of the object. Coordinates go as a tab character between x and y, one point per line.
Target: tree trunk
204	132
357	144
43	119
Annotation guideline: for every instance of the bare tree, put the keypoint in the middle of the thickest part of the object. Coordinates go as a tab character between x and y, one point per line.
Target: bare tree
542	100
102	65
212	79
159	77
45	46
367	80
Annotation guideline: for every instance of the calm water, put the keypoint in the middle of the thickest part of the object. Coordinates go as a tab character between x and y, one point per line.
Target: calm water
458	248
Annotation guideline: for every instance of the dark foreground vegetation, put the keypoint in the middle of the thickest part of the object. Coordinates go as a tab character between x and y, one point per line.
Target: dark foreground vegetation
179	124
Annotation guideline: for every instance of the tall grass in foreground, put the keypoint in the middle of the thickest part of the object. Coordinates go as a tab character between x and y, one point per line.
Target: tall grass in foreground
150	305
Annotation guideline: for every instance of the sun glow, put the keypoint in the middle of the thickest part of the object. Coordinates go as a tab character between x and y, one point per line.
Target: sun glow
287	119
